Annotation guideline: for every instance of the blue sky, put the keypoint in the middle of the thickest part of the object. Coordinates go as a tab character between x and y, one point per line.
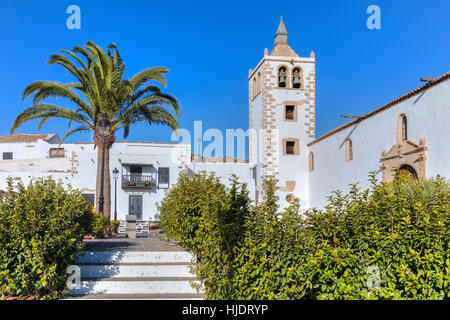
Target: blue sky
209	46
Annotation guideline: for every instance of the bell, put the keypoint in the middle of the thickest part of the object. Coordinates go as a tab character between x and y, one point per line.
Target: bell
296	80
282	79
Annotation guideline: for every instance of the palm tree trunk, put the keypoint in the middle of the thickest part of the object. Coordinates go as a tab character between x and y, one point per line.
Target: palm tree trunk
109	140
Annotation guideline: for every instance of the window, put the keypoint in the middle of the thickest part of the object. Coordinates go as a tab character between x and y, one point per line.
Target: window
290	147
297	78
282	77
402	128
56	152
290	113
348	150
163	178
135	171
311	161
89	197
258	84
7	155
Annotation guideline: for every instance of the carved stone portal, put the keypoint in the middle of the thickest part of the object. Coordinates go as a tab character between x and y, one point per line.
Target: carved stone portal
406	154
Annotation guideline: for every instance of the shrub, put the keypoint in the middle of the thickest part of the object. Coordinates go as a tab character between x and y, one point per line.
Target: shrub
398	233
207	218
41	230
114	224
188	208
100	227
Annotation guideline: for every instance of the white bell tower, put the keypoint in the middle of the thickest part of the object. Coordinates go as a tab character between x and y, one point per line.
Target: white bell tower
282	112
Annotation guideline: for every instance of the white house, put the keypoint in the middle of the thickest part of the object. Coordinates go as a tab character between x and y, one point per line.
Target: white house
410	133
146	170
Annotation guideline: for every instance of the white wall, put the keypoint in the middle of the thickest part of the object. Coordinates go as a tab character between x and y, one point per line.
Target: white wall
79	168
428	115
224	171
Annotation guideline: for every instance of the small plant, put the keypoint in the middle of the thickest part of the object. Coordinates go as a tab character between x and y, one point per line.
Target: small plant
100	227
131	183
114	225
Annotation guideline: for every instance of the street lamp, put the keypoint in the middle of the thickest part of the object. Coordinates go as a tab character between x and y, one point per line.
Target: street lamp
115	176
103	128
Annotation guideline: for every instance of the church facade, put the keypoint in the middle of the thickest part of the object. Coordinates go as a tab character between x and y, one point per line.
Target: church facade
410	134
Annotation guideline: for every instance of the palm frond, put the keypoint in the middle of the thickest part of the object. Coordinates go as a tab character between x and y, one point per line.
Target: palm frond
150	74
79	129
100	88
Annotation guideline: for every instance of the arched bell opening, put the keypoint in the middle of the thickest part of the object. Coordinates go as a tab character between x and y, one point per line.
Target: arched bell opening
282	77
297	78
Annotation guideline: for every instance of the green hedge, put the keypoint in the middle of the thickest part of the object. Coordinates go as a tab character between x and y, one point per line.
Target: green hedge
41	230
100	226
201	214
398	233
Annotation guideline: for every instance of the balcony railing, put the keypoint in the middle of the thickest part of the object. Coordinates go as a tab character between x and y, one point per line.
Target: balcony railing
138	181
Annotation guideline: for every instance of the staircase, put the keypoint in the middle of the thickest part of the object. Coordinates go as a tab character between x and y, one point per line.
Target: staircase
135	275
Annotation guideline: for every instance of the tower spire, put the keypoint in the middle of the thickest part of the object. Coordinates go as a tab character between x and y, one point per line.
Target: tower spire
281	35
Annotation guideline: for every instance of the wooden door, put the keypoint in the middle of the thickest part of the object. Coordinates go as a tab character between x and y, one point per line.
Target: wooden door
135	206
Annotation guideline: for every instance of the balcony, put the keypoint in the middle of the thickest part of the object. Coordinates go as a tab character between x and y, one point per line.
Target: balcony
138	181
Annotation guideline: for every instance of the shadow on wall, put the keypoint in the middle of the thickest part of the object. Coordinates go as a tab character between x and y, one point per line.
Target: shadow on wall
349	134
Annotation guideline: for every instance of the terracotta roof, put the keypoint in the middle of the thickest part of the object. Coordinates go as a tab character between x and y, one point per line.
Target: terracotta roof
25	138
388	105
281	47
283	50
143	142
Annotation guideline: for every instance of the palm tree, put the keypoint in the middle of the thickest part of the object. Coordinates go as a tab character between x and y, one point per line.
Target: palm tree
100	91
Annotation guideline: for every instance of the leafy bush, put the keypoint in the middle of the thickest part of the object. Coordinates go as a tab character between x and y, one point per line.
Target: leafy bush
398	233
207	218
189	207
114	224
41	230
100	226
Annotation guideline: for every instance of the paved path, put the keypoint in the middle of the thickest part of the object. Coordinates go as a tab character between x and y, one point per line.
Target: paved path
120	243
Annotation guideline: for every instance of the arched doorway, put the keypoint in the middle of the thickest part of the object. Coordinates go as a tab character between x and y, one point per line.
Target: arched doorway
407	170
406	157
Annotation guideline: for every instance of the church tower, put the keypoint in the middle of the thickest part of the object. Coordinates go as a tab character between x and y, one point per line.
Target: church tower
282	119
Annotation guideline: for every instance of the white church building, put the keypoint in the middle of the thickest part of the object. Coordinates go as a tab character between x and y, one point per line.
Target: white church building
410	133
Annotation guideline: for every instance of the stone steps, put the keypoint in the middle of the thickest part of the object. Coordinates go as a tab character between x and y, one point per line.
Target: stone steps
135	275
112	257
160	296
138	270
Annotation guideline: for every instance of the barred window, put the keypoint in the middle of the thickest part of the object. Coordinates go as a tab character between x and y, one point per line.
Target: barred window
163	177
